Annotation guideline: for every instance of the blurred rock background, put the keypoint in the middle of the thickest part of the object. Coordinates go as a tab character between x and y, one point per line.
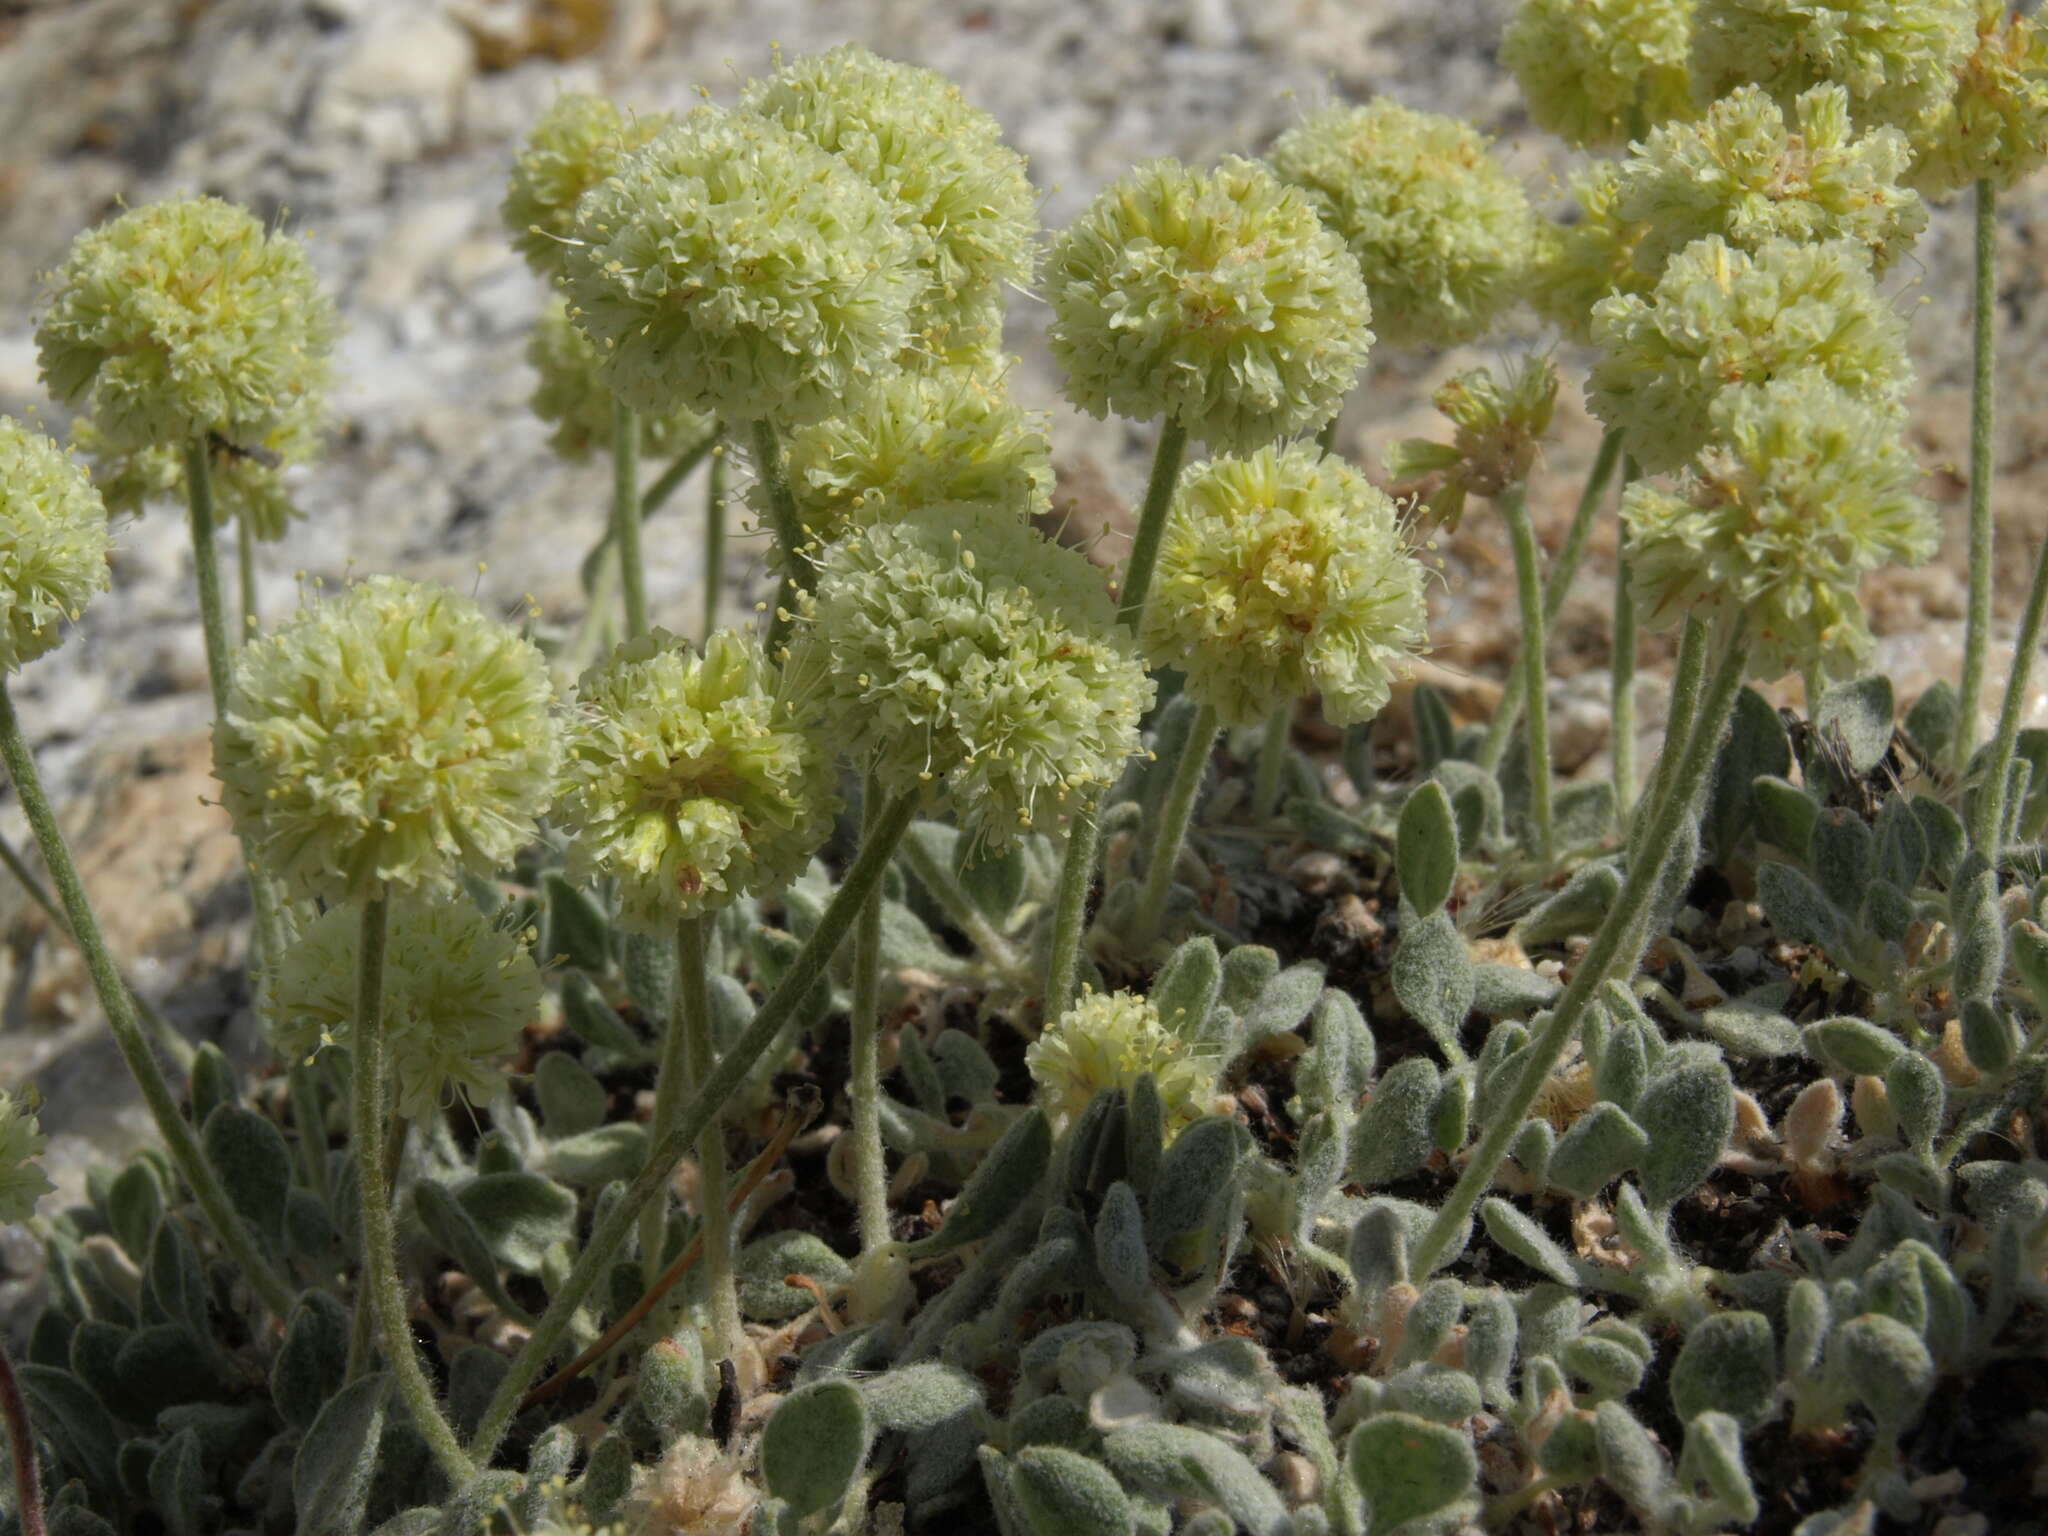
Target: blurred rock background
382	131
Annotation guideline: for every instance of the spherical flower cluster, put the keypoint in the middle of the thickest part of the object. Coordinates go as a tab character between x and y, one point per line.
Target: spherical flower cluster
1805	489
1896	58
1281	573
1442	233
913	441
393	733
1721	317
1216	298
1499	428
1600	72
958	191
248	479
185	319
572	395
458	992
1110	1040
53	543
22	1182
734	267
1746	173
1995	127
575	144
1580	263
957	648
687	780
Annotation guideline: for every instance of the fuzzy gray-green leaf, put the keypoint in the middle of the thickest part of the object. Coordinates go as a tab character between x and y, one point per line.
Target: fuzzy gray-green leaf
1408	1468
1426	847
814	1445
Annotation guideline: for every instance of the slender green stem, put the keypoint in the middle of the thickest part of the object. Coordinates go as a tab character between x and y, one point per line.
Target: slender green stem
1070	905
789	533
21	1445
714	537
692	1021
380	1242
1166	462
626	516
961	909
672	1082
245	559
1174	815
302	1091
595	1261
664	485
1514	510
1977	625
1685	702
363	1324
1615	947
1622	732
1272	769
864	1073
270	1286
1987	820
1557	581
1077	865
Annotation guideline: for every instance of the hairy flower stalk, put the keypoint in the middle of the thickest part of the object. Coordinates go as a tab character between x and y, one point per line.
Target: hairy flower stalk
1983	414
53	559
688	782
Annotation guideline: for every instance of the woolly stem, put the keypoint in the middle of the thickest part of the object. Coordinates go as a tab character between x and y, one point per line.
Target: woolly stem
1615	948
672	1080
245	557
960	908
1556	582
1272	767
692	1021
1685	701
788	528
1077	866
1514	510
1987	821
656	496
864	1074
704	1104
270	1286
1174	815
363	1323
1166	462
1622	711
380	1242
626	516
1977	625
714	535
28	1486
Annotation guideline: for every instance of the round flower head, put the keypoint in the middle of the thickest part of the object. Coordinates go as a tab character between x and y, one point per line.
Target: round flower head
393	733
958	648
248	479
687	780
1803	490
1213	297
185	319
22	1182
1745	173
1441	231
1720	317
1896	58
1281	573
1110	1040
573	396
458	992
1499	428
1580	263
913	441
1601	72
734	267
956	189
575	144
53	543
1995	127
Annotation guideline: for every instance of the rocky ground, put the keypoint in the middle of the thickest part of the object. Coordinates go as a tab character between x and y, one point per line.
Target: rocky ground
382	129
